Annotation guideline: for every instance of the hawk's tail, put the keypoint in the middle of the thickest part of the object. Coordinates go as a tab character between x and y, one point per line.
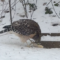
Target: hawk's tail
6	29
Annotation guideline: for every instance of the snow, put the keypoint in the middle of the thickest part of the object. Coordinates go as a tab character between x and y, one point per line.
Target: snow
18	53
9	52
11	47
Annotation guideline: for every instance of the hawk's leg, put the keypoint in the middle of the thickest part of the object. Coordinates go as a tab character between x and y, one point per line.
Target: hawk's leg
36	44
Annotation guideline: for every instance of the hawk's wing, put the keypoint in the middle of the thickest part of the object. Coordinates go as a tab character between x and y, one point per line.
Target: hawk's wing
25	27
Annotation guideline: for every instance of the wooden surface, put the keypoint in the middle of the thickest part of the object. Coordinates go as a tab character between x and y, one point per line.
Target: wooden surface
51	44
51	34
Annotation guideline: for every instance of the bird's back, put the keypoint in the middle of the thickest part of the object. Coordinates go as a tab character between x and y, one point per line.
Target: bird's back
27	27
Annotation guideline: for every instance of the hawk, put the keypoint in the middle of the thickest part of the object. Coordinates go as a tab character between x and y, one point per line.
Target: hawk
25	29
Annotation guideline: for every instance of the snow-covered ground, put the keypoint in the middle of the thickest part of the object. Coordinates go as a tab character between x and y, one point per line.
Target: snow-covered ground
11	47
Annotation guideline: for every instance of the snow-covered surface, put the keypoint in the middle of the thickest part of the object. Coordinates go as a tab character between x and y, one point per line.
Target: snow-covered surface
11	47
15	52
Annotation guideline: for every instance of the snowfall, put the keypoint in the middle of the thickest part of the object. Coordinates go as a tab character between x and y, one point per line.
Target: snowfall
11	47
